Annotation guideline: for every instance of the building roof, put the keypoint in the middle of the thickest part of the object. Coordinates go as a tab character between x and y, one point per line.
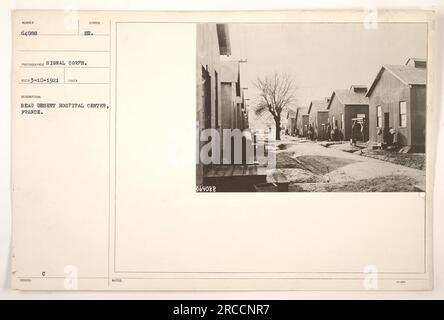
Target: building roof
229	71
317	105
409	75
291	114
416	62
358	88
303	110
223	37
349	97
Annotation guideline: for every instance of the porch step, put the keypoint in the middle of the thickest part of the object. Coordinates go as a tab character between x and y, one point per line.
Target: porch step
230	178
279	179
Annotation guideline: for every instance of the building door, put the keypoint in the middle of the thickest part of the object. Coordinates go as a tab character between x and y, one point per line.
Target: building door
386	120
386	128
206	97
356	130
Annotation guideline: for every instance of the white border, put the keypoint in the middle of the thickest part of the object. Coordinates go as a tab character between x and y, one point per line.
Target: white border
5	216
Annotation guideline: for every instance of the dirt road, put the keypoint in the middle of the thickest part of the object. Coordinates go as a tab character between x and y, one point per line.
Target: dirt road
311	167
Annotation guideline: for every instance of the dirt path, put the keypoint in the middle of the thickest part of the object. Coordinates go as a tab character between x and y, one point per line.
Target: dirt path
306	162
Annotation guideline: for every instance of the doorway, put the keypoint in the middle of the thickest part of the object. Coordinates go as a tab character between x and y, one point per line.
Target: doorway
206	97
386	129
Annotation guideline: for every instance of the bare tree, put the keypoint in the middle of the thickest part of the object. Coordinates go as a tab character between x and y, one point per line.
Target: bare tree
276	94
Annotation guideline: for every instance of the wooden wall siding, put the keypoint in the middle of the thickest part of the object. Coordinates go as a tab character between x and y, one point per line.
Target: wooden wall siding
226	94
312	116
208	57
336	109
291	125
349	112
387	93
227	105
299	122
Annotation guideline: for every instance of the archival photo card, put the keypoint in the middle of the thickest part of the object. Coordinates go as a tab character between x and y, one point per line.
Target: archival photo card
272	150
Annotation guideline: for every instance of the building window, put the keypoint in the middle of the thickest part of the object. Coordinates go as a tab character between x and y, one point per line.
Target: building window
334	121
403	114
342	121
379	116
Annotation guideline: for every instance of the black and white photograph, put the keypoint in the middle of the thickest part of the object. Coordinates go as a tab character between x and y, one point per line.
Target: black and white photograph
311	107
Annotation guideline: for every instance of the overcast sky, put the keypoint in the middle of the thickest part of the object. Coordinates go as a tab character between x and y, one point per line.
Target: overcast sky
323	57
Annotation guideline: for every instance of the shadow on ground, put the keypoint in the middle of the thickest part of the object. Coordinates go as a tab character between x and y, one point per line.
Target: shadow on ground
316	164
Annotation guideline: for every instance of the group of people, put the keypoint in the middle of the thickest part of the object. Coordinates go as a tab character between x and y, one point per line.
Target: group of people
389	136
332	133
327	133
358	130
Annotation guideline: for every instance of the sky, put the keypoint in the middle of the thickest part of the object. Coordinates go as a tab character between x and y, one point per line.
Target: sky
322	57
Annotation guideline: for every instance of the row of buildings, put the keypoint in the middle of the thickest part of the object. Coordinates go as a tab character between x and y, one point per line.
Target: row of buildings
391	110
220	102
